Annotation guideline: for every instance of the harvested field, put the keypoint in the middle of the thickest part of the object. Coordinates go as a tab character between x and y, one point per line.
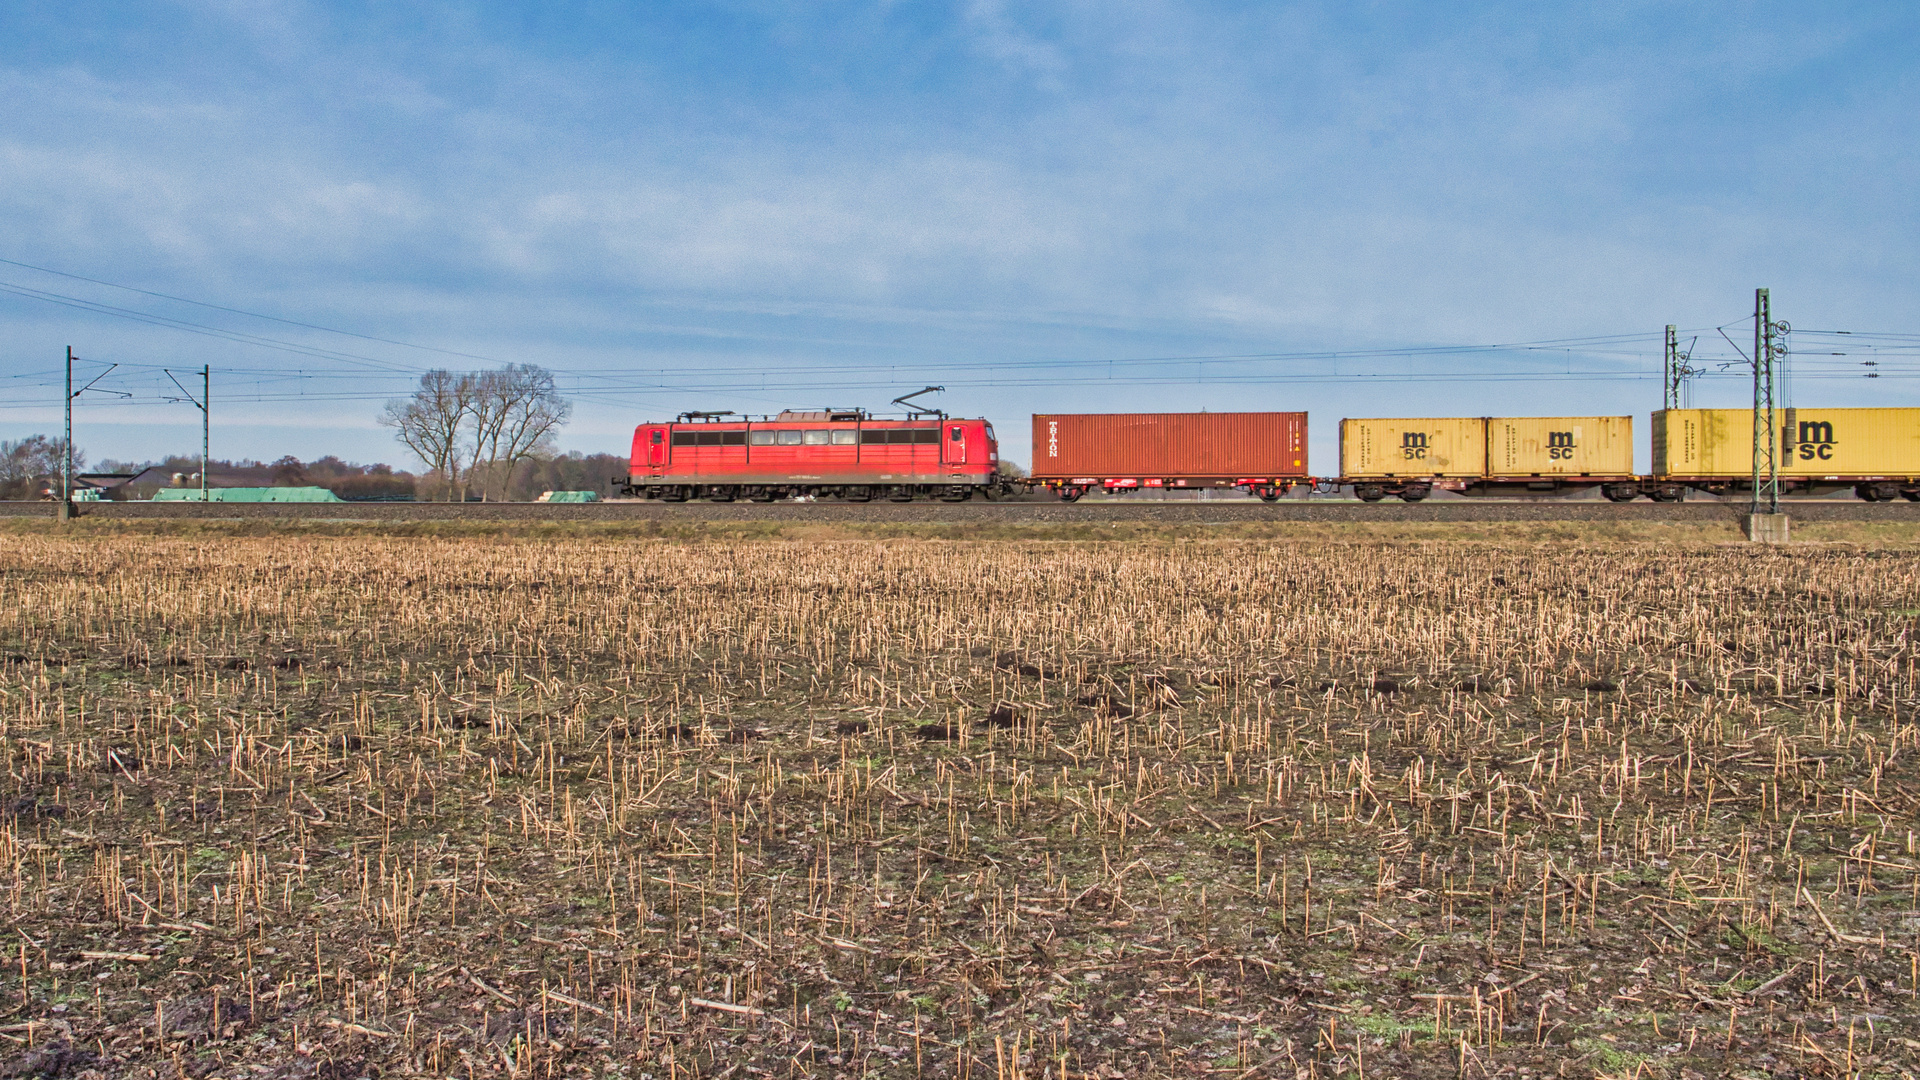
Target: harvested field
317	806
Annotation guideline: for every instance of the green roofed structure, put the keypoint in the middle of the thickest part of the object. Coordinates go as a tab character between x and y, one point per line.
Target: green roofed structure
248	495
570	497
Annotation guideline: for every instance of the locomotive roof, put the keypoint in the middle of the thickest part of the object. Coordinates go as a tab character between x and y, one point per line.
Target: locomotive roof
804	418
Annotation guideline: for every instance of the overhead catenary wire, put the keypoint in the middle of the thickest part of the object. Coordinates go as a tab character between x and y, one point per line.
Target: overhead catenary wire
1604	358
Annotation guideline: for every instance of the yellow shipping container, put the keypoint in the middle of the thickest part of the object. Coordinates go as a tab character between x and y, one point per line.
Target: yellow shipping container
1527	446
1413	447
1839	444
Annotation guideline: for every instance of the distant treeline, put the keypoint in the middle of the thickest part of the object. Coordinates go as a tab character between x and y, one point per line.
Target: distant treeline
530	477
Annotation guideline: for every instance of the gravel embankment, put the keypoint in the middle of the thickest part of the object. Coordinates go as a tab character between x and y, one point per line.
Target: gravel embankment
1007	512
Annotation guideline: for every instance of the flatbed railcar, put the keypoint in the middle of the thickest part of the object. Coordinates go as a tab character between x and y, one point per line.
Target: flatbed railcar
1522	456
1263	454
1876	452
845	454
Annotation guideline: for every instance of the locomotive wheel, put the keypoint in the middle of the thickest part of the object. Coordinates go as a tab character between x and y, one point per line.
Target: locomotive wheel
1369	493
857	494
763	495
674	495
900	493
721	494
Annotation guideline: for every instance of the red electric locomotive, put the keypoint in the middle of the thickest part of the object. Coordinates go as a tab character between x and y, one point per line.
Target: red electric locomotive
843	453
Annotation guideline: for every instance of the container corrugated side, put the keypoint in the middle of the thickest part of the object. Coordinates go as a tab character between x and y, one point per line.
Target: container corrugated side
1813	443
1528	446
1169	445
1413	447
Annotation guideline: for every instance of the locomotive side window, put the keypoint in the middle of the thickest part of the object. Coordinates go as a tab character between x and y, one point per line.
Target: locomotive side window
874	438
927	436
710	438
845	437
733	438
790	438
686	438
816	437
762	438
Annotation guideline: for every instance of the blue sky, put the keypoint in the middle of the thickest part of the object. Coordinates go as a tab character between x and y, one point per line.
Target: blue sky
748	204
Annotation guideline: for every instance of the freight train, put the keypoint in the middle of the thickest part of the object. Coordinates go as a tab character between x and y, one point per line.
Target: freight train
849	454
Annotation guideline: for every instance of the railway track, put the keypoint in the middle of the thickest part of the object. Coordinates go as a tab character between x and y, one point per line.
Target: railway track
1047	511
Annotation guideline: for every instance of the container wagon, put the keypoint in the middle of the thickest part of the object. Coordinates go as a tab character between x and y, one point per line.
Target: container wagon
1264	454
1876	452
1487	455
846	454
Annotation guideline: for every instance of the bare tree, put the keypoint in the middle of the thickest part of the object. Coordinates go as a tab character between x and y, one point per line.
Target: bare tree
516	414
23	461
29	460
433	421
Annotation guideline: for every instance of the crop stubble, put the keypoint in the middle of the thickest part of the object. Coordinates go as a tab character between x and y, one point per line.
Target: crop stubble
332	806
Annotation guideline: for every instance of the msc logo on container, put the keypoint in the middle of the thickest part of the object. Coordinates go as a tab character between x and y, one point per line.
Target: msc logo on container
1413	445
1816	439
1560	446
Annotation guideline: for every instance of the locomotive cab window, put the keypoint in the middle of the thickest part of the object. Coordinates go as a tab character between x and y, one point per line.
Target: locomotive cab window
656	436
956	434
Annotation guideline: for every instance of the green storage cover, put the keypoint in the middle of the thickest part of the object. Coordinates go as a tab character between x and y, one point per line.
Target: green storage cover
571	496
248	495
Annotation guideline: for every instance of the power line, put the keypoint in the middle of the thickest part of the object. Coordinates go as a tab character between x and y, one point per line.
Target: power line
195	328
249	314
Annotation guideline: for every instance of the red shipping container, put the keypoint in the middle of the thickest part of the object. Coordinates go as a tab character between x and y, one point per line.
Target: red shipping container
1197	448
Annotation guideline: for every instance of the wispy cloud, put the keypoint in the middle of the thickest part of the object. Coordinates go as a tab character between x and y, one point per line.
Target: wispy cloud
786	185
